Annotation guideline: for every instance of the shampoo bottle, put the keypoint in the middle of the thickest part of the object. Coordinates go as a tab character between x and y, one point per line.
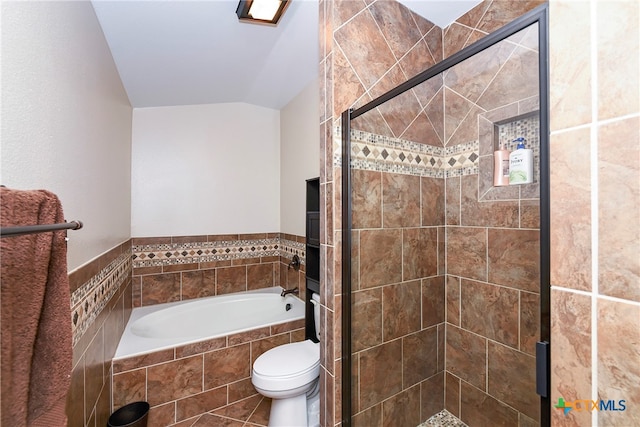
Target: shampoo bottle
521	164
500	167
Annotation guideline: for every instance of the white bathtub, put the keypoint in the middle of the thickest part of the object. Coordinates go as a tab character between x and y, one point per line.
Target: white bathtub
174	324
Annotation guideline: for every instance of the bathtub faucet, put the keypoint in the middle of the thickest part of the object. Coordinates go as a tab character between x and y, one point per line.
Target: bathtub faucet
295	263
286	292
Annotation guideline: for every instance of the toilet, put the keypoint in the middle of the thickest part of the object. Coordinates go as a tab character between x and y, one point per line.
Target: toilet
289	374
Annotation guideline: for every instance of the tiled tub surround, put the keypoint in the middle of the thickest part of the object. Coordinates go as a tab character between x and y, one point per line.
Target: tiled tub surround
183	383
101	304
438	250
167	269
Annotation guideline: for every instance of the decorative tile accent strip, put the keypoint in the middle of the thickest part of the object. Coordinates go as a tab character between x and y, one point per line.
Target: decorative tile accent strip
195	252
443	419
386	154
88	301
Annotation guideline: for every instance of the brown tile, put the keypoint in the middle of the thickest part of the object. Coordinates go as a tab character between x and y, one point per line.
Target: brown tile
419	356
261	415
370	417
530	214
366	320
485	214
200	403
240	410
471	77
453	300
618	82
401	111
570	353
467	252
490	311
174	380
240	390
422	131
529	322
456	110
208	420
231	279
378	266
418	59
260	276
400	310
452	396
618	355
367	199
227	365
480	409
516	80
198	284
433	203
75	406
142	241
94	372
433	301
466	356
200	347
400	200
160	288
350	87
397	25
619	202
520	370
436	114
500	13
129	387
162	415
179	267
287	327
442	251
455	38
380	373
136	362
431	396
419	253
514	258
365	48
402	409
570	206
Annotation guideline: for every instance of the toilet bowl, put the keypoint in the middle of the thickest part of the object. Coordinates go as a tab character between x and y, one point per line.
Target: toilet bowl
289	375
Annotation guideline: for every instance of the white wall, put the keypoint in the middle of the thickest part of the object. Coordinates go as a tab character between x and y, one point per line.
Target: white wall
66	119
299	156
205	169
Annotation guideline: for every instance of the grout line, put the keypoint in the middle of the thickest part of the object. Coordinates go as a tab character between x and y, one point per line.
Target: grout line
594	209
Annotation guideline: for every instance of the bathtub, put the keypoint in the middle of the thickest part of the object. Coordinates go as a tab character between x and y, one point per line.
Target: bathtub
175	324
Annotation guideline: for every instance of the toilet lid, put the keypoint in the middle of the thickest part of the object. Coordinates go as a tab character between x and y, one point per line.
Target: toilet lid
288	359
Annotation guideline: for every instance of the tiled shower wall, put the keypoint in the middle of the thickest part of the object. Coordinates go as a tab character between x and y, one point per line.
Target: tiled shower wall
366	49
595	208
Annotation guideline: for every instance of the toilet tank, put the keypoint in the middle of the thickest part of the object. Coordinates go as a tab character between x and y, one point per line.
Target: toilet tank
315	300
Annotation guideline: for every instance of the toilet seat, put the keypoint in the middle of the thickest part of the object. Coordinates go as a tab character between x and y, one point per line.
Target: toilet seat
287	366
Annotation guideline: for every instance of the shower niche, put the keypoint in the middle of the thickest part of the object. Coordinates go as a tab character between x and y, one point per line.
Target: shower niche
445	289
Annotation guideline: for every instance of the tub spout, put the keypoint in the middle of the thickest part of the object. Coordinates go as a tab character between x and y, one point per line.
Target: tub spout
286	292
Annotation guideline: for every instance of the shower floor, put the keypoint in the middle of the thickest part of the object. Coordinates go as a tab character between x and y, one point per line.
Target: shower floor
443	419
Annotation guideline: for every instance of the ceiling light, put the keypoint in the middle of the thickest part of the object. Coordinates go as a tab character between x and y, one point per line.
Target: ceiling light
262	11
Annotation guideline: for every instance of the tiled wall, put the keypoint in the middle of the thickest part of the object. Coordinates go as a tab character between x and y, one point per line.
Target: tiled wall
366	49
176	268
183	383
595	208
101	305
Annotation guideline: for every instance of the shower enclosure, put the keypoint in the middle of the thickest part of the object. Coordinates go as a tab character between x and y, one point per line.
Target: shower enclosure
445	276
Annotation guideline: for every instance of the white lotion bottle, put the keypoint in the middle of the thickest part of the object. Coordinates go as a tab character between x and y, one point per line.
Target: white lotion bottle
521	164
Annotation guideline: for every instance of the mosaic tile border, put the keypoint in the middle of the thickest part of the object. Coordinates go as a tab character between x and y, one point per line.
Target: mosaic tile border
165	254
443	418
386	154
88	301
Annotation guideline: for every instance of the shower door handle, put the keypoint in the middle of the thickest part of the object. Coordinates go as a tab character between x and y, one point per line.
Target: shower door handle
542	368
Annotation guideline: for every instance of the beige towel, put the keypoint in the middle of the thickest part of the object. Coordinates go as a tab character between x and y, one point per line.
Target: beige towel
37	349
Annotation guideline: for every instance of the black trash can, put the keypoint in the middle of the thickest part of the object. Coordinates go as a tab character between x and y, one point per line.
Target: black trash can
133	414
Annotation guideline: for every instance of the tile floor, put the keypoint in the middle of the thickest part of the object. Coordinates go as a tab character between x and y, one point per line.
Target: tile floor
250	412
254	412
